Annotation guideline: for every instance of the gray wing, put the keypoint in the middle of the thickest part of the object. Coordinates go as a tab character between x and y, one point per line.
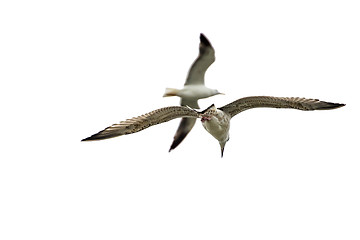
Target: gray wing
305	104
184	128
203	61
186	124
193	103
142	122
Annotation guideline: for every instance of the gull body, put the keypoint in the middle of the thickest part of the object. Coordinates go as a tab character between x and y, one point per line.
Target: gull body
191	94
216	121
194	88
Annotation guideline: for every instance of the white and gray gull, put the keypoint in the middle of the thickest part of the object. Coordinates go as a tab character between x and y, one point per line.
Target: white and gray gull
215	120
194	88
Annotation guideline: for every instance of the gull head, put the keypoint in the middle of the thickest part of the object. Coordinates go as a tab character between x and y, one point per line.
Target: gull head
216	92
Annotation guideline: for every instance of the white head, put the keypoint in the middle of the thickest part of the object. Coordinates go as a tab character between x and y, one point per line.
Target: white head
215	92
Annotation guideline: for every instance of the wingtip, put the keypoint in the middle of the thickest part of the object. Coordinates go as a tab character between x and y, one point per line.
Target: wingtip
177	140
204	40
339	105
86	139
175	143
204	111
334	105
172	147
92	138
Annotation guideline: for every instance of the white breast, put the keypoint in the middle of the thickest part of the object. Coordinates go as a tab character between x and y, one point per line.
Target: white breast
218	126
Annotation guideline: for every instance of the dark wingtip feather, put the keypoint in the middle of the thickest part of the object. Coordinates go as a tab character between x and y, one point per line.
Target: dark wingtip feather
97	136
173	146
178	140
329	105
183	130
204	40
175	143
93	137
202	112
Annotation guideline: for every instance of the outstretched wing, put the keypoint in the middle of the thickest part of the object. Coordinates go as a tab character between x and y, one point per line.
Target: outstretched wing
305	104
137	124
203	61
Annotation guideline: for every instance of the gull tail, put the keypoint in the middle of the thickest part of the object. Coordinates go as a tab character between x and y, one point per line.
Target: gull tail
169	92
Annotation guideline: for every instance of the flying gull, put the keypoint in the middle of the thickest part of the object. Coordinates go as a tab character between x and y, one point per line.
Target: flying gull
215	120
194	88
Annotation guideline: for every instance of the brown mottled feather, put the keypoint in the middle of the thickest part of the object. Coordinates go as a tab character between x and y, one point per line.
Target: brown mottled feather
144	121
305	104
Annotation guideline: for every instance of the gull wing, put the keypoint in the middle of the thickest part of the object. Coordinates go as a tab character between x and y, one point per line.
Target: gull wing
184	128
185	125
201	64
305	104
196	75
144	121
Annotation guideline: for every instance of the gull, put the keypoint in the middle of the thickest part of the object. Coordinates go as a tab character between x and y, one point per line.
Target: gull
194	88
215	120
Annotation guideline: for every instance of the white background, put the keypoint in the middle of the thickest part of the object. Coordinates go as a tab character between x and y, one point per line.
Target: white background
71	68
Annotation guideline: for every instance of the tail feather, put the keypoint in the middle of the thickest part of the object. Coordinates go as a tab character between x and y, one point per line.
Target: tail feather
169	92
